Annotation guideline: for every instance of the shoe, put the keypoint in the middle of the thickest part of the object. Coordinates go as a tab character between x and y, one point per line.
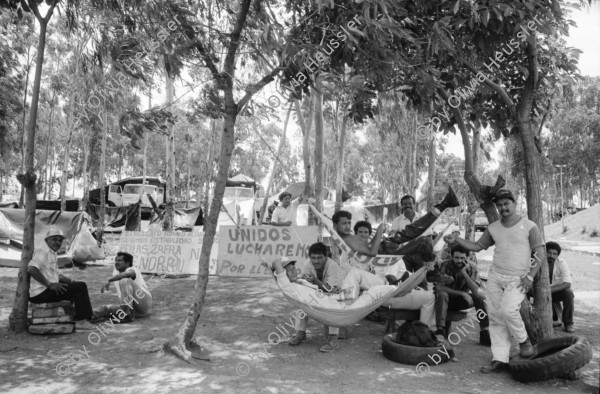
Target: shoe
84	325
450	201
495	366
569	328
392	280
484	338
556	323
526	350
436	276
441	334
298	338
331	345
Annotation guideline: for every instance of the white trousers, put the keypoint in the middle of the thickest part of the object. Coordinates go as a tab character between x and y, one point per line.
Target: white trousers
417	299
129	294
504	297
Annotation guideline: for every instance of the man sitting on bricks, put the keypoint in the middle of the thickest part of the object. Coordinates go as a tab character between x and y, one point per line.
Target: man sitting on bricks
132	290
49	285
462	293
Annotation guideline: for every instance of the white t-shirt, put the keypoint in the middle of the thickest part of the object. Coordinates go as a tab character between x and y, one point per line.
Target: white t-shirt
138	282
45	260
282	215
402	221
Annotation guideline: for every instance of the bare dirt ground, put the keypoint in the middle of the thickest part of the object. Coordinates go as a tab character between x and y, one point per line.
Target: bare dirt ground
237	319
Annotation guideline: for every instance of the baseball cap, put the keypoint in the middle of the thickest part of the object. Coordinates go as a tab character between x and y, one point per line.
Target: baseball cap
285	262
503	193
53	232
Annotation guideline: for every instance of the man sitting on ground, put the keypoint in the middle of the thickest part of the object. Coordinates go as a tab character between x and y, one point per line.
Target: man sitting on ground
48	285
132	290
560	285
463	293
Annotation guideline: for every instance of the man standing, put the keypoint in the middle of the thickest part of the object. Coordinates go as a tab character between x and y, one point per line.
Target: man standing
407	203
560	285
462	293
510	276
286	211
48	285
326	274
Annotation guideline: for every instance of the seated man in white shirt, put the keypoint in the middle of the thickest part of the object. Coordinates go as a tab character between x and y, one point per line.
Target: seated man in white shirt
560	285
286	211
324	274
409	215
49	285
132	290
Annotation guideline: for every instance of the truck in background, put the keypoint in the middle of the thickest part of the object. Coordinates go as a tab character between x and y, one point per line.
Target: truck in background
127	191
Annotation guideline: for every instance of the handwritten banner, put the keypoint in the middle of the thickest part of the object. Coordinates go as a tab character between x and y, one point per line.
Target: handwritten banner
163	252
240	249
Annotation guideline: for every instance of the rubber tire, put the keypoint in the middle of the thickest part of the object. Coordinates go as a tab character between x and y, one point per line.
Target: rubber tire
576	352
412	355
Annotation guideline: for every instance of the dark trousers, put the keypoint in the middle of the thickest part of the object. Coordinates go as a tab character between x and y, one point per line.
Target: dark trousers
568	305
445	302
413	230
76	292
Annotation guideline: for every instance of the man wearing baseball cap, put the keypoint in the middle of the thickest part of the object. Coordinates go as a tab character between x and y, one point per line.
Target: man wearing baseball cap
510	276
48	285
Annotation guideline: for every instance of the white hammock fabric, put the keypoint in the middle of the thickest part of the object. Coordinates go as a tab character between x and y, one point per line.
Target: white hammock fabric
347	315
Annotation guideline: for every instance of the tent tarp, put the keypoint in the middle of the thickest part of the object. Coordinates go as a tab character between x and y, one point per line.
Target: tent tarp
184	219
79	243
115	217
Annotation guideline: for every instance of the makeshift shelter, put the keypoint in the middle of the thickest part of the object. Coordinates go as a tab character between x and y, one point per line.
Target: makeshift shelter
241	180
79	244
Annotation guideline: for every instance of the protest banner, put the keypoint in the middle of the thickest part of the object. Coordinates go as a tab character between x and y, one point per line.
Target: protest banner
240	249
164	252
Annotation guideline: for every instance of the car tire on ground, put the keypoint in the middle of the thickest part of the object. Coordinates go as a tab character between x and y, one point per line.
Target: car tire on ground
413	355
554	358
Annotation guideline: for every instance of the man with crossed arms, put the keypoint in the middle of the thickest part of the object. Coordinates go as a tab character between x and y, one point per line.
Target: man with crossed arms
510	276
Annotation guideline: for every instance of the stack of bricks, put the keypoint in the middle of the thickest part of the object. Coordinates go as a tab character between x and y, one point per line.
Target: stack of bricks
52	318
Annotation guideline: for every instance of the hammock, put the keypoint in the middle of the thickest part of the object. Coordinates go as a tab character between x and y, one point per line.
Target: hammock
348	315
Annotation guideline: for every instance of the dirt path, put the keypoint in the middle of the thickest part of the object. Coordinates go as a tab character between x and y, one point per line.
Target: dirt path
238	317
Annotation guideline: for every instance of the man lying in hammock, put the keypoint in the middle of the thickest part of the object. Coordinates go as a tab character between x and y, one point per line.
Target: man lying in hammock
308	289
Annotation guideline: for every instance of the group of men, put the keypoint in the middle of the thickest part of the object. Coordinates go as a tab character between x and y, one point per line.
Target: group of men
456	281
49	285
457	285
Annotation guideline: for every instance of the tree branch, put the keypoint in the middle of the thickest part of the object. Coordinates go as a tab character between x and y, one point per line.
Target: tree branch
234	42
496	87
531	82
261	84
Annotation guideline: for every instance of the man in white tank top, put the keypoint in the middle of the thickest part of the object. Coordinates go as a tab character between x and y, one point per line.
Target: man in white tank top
510	277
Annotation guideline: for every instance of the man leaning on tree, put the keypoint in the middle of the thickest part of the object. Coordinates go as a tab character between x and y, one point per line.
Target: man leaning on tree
510	276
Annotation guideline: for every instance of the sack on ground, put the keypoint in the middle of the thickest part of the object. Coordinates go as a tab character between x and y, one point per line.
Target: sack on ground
416	333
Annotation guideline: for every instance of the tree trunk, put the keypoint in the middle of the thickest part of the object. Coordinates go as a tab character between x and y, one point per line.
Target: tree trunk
23	140
48	172
306	128
541	316
101	179
339	181
183	338
431	172
319	143
17	321
168	221
472	203
86	187
209	165
273	168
